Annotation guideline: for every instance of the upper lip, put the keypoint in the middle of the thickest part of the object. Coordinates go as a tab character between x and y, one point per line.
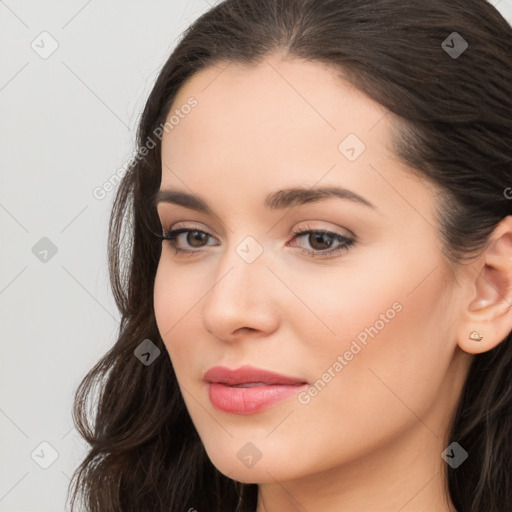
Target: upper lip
248	374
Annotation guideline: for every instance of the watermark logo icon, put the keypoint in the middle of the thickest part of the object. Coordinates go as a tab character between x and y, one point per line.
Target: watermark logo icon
147	352
44	455
454	45
44	45
351	147
454	455
44	250
249	249
249	454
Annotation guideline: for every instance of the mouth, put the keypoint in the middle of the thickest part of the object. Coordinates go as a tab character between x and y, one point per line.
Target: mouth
248	384
248	390
249	375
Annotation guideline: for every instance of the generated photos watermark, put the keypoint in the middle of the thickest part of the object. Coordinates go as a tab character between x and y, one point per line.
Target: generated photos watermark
100	192
304	397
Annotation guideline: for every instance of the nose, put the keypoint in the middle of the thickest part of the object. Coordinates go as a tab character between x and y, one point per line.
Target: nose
242	299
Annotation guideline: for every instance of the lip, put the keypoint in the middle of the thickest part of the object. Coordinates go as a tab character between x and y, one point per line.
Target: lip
248	390
248	374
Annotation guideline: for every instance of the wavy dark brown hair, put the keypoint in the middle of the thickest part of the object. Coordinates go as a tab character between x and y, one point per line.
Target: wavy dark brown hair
452	124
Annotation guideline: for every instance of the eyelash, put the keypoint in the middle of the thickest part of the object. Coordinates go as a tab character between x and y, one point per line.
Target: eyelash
171	236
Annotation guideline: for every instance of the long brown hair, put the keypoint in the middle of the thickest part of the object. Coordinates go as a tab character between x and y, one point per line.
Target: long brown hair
455	129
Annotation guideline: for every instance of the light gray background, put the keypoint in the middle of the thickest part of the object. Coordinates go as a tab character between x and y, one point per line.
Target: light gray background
68	124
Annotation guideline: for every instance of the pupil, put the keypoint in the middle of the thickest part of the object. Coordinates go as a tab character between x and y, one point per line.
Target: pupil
196	236
320	237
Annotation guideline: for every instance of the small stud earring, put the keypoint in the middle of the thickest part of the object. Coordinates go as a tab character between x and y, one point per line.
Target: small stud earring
476	336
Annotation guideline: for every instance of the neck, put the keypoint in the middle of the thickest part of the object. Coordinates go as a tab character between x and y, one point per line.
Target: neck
407	475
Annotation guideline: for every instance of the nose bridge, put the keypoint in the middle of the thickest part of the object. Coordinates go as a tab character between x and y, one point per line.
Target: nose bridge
239	296
240	271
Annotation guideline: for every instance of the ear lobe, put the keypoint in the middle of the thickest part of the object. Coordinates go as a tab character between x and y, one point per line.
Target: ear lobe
490	310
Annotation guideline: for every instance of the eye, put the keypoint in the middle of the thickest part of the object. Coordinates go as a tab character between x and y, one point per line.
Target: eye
194	237
321	241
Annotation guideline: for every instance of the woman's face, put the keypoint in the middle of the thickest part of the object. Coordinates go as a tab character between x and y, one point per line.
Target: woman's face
364	314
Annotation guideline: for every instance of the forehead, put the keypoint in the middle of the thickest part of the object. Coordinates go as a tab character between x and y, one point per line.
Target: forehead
276	124
295	99
276	107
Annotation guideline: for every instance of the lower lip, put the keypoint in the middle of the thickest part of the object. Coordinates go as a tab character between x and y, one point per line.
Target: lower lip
249	400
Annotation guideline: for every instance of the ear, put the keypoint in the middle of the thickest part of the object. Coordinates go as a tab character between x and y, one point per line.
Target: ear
489	309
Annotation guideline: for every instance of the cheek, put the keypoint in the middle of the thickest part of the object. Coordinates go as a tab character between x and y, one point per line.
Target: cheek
393	334
173	298
388	317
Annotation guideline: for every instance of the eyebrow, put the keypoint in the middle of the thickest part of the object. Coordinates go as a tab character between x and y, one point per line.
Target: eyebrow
275	201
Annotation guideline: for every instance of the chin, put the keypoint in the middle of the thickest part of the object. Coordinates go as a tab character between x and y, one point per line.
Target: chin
260	472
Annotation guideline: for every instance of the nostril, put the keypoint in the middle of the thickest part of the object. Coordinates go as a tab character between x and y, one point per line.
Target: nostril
244	329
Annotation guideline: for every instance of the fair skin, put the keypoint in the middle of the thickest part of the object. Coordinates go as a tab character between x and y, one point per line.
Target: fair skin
372	438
